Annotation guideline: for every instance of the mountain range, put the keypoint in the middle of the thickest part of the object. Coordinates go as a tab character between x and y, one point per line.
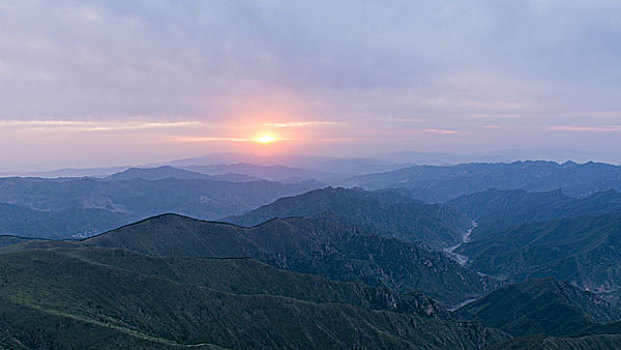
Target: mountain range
165	172
385	213
329	249
79	207
444	183
510	207
510	256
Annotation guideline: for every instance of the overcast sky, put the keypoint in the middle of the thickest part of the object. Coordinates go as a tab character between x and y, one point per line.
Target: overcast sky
86	83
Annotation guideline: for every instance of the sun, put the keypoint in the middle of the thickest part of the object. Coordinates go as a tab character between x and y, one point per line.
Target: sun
265	139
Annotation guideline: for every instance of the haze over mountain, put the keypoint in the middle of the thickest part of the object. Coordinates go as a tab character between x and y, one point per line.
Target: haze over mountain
271	172
165	172
319	165
385	213
69	207
288	167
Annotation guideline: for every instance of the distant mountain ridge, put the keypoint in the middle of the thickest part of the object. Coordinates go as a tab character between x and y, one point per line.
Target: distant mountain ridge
165	172
78	207
385	213
444	183
271	172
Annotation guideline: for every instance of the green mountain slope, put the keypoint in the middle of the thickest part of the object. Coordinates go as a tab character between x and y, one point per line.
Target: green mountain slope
310	246
581	250
544	342
67	298
511	207
384	213
539	306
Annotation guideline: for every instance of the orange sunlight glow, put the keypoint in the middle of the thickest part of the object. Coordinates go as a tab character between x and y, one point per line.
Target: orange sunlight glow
265	139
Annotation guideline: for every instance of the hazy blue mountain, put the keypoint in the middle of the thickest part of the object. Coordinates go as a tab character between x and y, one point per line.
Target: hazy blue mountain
333	165
443	183
64	223
583	250
384	213
67	172
510	207
78	298
165	172
541	306
68	207
310	246
272	172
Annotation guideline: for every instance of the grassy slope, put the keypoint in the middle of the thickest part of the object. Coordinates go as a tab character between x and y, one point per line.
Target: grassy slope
540	306
308	246
95	294
543	342
582	250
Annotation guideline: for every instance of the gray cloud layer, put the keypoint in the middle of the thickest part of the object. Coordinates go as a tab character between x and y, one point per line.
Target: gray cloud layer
462	66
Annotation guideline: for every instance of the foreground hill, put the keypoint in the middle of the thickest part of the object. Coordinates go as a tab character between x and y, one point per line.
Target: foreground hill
511	207
443	183
79	207
384	213
310	246
541	306
544	342
582	250
89	297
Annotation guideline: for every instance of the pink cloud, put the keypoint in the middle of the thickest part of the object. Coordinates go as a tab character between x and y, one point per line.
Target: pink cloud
603	128
440	131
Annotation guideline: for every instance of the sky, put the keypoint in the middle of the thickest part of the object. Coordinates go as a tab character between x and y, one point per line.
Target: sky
99	83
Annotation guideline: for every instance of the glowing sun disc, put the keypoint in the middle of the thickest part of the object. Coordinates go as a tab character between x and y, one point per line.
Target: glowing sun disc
266	139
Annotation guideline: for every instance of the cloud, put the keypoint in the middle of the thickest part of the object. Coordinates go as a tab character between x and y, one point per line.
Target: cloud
164	58
604	128
347	66
87	126
302	124
212	139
